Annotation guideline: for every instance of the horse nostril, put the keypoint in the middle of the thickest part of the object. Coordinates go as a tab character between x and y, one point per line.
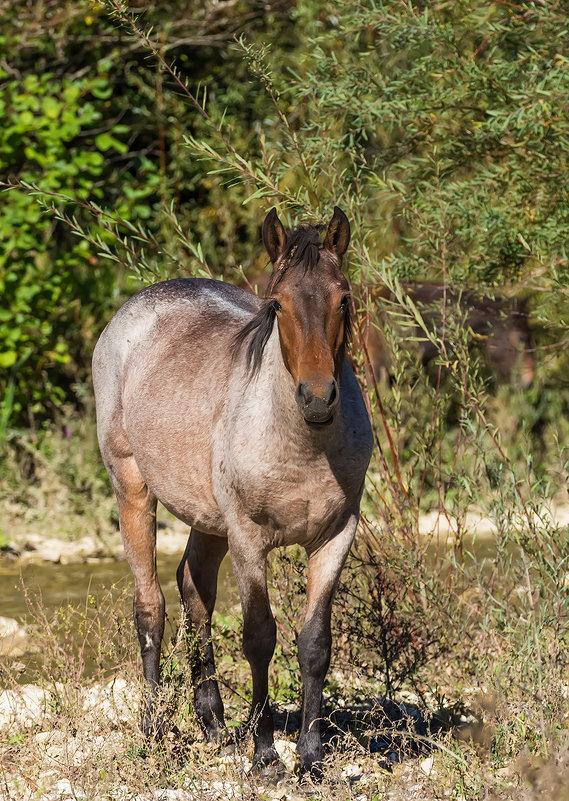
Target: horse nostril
325	397
303	394
331	393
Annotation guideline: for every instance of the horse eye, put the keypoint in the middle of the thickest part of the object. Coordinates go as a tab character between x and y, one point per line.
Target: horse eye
276	306
344	303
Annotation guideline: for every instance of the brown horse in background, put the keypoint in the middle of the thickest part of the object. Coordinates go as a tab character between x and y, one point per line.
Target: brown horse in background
244	419
498	326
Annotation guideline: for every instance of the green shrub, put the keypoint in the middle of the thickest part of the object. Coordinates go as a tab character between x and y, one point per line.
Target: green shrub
88	119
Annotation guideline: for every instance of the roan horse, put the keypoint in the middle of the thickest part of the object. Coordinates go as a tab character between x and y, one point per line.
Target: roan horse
244	419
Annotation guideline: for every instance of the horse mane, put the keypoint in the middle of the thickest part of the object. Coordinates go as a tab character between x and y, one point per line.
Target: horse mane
302	249
257	330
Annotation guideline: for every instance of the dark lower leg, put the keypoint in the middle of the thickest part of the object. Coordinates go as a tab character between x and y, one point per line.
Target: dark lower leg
197	582
315	641
314	649
137	519
259	637
149	623
207	698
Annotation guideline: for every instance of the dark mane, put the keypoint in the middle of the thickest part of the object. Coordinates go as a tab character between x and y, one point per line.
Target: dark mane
348	329
302	248
259	330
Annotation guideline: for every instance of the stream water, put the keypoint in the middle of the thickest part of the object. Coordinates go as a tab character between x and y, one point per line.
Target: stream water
62	585
59	585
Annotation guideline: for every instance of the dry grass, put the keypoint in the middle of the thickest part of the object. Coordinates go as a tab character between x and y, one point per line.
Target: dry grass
466	723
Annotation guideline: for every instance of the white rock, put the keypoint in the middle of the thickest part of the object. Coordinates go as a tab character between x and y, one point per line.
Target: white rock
65	790
236	762
25	706
116	699
224	790
427	765
51	551
13	637
351	770
8	626
287	753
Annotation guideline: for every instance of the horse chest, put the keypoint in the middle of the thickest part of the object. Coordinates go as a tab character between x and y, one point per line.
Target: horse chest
292	499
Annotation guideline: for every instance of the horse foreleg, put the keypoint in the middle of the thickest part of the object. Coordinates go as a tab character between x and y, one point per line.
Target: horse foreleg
137	520
197	582
315	640
259	638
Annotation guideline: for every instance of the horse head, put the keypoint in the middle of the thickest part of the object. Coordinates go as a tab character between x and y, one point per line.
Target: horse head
309	297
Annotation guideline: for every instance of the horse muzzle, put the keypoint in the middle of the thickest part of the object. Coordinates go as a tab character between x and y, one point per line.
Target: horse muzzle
318	404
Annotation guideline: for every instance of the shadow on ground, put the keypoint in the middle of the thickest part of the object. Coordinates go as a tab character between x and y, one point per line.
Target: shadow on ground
393	731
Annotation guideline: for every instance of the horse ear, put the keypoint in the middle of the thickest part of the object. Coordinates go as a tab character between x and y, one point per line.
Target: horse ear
274	235
337	236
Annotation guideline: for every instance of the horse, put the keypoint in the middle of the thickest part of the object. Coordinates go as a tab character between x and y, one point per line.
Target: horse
244	418
499	327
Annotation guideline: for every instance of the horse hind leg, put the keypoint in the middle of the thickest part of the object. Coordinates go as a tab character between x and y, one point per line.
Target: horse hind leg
197	582
137	521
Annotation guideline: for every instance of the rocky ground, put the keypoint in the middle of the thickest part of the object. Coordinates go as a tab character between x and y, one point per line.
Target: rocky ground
45	756
50	759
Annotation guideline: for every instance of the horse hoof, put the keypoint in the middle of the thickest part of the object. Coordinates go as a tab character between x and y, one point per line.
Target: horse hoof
269	766
309	771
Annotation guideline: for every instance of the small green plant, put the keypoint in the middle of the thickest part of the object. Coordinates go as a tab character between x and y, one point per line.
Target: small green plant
43	326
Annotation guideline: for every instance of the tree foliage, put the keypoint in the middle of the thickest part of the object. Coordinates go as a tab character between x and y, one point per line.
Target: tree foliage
439	128
88	118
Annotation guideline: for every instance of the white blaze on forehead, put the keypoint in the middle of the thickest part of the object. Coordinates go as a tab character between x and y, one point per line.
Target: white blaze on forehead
149	643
